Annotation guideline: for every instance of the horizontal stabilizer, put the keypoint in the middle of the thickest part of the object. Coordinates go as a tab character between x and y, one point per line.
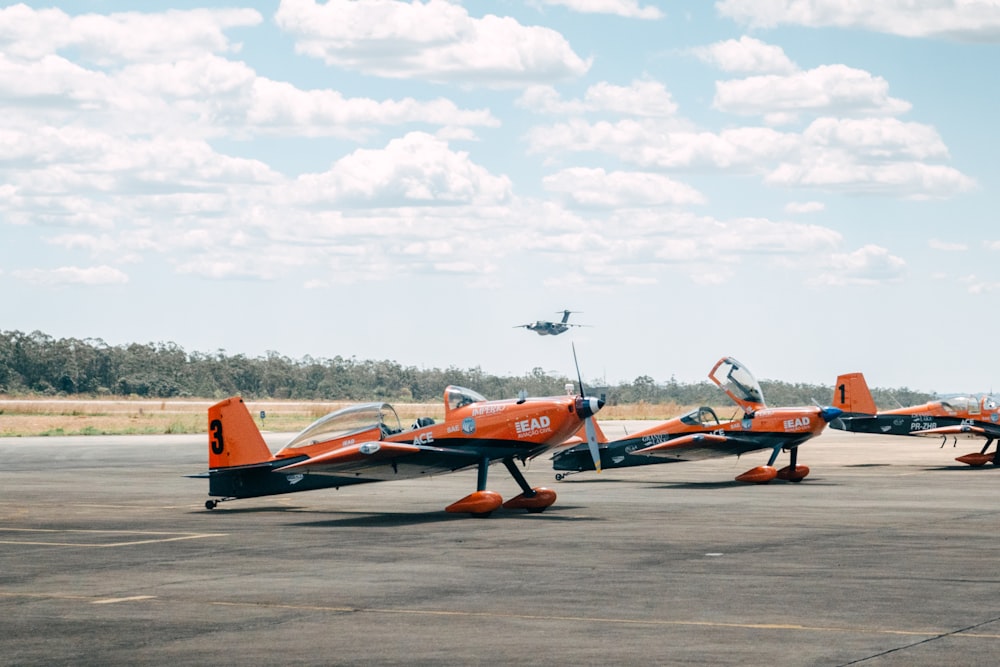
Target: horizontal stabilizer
665	448
364	451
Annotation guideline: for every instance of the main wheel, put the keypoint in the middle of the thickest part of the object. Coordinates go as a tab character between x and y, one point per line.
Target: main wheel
560	477
211	504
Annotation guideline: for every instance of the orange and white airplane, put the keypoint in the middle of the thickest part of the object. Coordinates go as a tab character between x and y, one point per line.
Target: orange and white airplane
366	443
701	435
957	416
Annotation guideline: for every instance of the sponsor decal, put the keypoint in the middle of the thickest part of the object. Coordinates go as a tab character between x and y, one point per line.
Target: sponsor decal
796	424
527	428
897	422
423	438
886	429
994	418
617	459
294	479
649	441
488	410
747	424
468	426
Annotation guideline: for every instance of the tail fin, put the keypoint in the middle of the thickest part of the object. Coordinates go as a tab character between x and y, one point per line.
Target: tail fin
851	394
233	438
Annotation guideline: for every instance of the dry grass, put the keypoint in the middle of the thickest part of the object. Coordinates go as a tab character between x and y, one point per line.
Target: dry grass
33	417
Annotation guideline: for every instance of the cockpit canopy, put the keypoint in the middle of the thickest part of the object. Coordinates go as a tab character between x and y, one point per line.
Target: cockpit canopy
355	419
457	397
970	404
739	383
703	416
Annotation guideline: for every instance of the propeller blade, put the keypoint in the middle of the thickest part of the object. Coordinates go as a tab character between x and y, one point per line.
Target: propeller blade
595	452
576	363
588	422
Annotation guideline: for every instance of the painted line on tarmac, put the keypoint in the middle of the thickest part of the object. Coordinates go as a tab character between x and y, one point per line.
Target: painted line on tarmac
133	598
153	537
619	621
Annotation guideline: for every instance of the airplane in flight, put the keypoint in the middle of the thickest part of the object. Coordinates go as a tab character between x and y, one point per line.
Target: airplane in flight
544	328
958	416
366	443
700	434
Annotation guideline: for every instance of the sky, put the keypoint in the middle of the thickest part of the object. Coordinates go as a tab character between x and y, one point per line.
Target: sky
810	186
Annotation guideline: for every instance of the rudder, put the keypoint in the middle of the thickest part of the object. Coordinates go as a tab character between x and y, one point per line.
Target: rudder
851	394
233	438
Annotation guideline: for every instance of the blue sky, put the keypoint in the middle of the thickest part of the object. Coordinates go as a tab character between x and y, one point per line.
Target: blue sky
810	186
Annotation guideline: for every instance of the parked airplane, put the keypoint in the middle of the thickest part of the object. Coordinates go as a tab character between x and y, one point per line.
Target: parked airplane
544	328
366	443
956	416
701	435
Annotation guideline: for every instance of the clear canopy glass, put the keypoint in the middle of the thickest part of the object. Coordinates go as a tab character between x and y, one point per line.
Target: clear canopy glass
355	419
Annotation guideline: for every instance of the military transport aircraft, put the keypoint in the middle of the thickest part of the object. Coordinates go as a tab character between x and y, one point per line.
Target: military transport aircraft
366	443
956	416
701	435
543	328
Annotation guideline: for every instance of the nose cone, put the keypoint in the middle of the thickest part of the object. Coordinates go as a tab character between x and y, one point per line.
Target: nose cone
830	413
588	406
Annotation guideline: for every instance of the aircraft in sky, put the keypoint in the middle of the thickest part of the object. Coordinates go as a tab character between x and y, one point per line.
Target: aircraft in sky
544	328
955	416
366	443
700	434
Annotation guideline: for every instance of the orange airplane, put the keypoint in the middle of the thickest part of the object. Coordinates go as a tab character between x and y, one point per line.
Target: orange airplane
956	416
700	435
366	443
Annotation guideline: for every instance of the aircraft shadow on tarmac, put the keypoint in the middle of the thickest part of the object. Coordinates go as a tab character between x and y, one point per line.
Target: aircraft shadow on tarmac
397	519
348	518
716	484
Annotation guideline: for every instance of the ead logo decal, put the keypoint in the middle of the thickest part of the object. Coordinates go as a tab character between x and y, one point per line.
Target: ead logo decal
527	427
796	424
468	426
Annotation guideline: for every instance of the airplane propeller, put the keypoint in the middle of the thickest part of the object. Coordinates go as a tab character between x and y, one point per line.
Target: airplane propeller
587	407
827	412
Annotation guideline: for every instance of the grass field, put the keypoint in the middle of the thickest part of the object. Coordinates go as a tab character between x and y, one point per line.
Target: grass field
70	416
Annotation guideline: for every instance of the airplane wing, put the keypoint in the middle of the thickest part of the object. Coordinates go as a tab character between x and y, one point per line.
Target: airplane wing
701	446
381	459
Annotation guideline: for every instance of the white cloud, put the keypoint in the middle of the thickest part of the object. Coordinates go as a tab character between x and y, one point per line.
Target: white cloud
804	207
964	20
122	37
190	92
868	265
946	246
872	155
436	41
626	8
641	98
746	54
417	169
828	89
655	144
618	189
73	275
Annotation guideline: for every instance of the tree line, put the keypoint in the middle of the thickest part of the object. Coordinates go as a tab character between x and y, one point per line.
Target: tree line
38	364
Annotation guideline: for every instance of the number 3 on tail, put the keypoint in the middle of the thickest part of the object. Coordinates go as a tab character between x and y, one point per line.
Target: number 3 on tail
215	433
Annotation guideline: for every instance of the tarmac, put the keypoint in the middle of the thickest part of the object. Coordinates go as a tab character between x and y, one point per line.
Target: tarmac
886	554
